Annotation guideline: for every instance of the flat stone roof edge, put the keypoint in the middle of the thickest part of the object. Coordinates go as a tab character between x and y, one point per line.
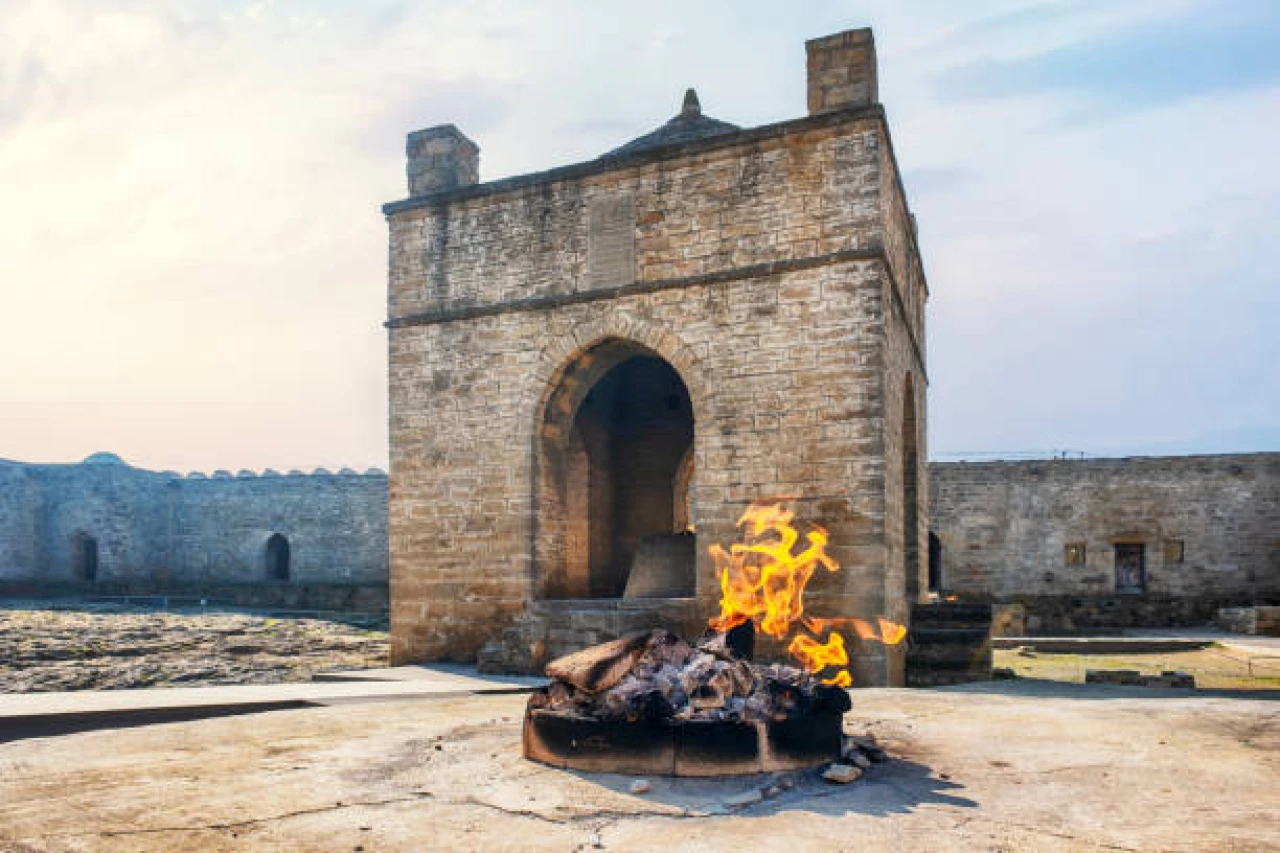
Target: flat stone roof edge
607	163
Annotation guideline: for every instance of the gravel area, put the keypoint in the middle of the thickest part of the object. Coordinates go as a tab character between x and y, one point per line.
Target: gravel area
110	647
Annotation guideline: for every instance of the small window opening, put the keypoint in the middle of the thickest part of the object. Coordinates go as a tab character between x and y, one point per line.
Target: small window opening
1073	554
1174	551
278	558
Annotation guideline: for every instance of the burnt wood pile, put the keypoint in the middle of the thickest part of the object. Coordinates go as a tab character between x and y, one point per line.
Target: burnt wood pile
653	703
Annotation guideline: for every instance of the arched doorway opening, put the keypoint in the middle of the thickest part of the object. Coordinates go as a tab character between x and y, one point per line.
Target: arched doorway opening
910	492
614	478
935	562
84	557
277	557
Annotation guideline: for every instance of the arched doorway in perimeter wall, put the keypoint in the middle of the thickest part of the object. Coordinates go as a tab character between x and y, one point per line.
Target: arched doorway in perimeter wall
84	556
278	557
613	477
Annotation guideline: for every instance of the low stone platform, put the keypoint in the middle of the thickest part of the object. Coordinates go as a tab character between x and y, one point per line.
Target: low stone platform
1102	645
1009	766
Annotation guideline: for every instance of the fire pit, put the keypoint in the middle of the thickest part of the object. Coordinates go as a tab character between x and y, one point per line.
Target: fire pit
651	703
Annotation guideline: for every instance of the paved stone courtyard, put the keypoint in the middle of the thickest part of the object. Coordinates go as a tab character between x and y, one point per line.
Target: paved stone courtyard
106	646
1006	767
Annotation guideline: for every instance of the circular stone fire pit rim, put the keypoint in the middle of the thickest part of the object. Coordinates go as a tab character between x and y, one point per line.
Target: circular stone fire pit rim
695	747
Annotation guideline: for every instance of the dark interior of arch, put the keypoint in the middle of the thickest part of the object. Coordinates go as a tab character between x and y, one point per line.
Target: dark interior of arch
910	495
632	431
278	557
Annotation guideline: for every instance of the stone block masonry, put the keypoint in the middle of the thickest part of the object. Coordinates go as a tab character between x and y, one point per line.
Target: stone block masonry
109	528
771	275
1086	544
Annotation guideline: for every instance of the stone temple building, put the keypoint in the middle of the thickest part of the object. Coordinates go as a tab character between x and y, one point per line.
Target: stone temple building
595	369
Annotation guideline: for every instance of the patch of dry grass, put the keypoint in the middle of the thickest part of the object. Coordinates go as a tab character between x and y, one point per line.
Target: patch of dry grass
1217	667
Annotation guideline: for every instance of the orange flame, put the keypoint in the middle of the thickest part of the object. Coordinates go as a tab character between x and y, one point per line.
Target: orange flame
817	656
884	631
763	579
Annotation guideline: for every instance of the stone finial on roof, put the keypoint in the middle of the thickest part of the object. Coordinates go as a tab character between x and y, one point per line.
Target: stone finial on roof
689	125
691	106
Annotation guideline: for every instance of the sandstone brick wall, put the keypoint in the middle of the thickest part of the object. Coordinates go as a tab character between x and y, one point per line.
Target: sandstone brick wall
759	274
161	531
793	191
335	525
1004	527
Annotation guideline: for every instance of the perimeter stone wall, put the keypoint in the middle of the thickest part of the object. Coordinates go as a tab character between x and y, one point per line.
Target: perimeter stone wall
165	533
1209	528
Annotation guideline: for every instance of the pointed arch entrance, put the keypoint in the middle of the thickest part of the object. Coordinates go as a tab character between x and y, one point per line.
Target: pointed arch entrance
613	474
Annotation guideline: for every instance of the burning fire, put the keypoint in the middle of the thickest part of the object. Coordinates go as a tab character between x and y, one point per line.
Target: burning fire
763	579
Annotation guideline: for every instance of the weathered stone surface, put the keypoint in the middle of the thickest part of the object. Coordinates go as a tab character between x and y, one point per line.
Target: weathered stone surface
313	779
157	532
774	270
1206	526
842	71
440	158
1263	621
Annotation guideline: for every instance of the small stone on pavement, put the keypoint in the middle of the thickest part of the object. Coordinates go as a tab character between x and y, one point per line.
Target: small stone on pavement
841	774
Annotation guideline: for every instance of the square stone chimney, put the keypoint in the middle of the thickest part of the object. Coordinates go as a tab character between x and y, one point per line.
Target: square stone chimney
842	71
441	158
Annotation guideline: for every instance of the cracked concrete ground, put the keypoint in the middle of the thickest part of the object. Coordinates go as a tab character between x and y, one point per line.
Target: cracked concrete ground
1008	767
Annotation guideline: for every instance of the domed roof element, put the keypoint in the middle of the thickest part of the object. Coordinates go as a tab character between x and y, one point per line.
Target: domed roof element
102	458
689	125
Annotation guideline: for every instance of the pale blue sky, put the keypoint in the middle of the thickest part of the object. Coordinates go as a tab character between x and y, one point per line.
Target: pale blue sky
192	259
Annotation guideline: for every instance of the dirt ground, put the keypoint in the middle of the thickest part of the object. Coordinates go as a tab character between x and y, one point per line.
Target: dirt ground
107	647
997	766
1216	667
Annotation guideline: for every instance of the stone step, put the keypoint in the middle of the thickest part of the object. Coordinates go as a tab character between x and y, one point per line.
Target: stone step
949	656
930	636
951	615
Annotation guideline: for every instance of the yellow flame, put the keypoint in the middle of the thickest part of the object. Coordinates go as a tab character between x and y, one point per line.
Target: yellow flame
763	579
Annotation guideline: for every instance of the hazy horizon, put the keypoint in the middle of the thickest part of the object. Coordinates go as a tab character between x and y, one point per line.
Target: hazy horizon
194	260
